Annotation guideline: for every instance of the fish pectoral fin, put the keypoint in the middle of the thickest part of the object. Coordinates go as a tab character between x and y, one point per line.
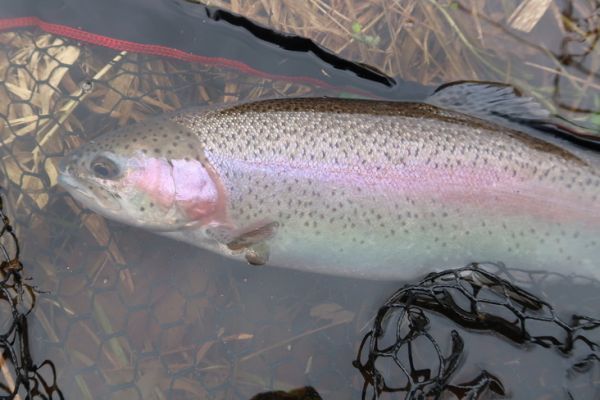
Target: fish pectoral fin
221	234
252	235
250	240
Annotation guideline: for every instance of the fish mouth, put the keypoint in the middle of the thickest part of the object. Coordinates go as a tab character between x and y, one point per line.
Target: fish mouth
63	166
93	199
68	182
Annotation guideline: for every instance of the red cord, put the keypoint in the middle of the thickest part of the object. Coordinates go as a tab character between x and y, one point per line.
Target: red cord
124	45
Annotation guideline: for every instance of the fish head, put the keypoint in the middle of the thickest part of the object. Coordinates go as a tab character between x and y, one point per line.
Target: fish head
152	175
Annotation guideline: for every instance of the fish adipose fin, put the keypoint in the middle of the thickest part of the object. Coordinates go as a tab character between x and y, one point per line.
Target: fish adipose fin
506	105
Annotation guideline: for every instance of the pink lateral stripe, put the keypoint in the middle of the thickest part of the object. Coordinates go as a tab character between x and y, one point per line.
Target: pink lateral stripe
491	189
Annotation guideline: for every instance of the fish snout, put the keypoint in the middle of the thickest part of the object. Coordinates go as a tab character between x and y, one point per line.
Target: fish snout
73	162
64	167
68	170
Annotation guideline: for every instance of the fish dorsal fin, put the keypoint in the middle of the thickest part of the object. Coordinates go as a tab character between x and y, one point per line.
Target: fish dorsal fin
488	100
505	105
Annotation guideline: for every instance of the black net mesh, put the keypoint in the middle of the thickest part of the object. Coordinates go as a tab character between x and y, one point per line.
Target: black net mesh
480	298
21	377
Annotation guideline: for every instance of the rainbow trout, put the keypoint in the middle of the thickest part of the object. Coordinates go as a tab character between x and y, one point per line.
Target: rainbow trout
361	188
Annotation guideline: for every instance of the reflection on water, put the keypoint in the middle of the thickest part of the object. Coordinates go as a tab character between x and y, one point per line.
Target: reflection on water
131	315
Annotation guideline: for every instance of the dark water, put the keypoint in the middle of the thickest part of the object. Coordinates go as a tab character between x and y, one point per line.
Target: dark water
126	314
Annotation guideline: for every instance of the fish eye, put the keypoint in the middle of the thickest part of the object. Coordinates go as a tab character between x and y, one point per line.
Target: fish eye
104	168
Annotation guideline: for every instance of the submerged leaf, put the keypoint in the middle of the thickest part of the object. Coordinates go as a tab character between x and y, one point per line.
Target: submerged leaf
332	312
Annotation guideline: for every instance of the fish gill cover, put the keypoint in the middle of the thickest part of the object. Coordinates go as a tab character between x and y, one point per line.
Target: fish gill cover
118	328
